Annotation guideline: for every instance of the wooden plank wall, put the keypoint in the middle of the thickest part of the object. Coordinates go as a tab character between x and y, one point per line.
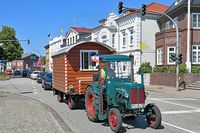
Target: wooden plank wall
59	72
73	67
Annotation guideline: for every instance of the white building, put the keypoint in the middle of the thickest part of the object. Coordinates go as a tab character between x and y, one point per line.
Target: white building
77	34
55	44
131	34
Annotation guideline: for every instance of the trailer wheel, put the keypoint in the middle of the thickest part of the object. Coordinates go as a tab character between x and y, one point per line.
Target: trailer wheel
91	104
60	97
114	119
71	103
153	117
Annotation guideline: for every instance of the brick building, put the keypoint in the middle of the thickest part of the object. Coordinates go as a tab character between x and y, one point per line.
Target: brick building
27	61
166	38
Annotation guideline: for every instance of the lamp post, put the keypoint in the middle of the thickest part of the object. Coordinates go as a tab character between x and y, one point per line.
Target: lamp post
177	37
188	62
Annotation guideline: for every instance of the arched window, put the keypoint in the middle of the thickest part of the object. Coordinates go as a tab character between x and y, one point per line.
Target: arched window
104	39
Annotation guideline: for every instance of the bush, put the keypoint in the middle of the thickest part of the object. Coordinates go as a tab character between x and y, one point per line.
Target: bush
171	69
195	69
145	68
2	76
159	69
182	68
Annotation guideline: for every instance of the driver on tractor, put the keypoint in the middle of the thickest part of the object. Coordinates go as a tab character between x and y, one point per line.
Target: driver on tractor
108	70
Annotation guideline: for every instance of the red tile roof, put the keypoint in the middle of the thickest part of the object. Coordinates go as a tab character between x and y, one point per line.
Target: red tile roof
77	29
157	7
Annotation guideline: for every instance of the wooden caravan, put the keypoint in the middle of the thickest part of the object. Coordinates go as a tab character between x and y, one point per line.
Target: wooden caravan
73	70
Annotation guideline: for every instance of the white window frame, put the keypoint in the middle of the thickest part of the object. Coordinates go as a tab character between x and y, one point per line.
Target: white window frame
167	25
198	21
113	40
168	55
131	36
159	56
89	51
197	50
176	21
123	33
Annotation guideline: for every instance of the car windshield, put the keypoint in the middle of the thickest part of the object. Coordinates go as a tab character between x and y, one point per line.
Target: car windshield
41	73
122	69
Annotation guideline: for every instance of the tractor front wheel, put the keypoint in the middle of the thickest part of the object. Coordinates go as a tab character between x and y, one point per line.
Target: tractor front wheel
91	104
153	117
114	119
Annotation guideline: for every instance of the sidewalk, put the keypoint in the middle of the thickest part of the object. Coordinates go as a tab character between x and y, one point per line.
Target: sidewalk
172	91
21	114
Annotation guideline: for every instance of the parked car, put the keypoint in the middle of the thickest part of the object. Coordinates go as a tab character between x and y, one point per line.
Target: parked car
47	81
25	73
29	73
9	72
40	76
17	73
34	74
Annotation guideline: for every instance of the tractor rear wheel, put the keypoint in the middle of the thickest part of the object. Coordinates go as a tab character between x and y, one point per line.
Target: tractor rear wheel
114	119
71	103
60	97
91	104
153	117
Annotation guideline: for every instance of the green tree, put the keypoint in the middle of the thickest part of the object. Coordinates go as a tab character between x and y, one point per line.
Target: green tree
13	48
43	59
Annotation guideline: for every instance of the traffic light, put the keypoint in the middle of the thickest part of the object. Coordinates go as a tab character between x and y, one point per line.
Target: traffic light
120	7
143	9
28	41
172	56
180	58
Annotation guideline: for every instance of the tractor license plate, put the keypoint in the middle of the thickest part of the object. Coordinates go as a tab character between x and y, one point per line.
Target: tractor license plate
137	105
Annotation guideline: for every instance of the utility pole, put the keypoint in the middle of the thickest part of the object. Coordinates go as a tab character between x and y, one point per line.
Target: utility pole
188	62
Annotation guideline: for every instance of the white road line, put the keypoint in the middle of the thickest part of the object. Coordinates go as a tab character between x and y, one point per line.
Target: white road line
174	99
186	130
177	104
180	112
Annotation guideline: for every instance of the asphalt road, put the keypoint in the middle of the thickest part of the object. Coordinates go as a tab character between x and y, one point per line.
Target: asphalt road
179	114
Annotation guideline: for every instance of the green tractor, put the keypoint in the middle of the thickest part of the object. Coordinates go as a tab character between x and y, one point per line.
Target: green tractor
115	94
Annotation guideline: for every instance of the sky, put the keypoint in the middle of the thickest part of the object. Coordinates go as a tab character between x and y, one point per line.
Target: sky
35	19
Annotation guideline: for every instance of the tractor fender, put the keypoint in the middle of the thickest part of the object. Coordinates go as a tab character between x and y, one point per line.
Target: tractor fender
94	87
150	105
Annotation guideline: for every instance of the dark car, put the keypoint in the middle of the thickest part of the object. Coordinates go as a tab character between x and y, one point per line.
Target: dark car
47	81
25	73
17	73
40	76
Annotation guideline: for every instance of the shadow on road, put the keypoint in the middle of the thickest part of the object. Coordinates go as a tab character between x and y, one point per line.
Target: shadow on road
133	123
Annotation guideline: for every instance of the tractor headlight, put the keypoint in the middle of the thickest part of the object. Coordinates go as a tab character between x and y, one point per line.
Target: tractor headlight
126	95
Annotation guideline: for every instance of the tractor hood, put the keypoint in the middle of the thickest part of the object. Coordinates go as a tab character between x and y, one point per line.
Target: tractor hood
127	85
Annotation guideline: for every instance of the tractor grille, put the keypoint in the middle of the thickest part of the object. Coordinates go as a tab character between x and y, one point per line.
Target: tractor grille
137	96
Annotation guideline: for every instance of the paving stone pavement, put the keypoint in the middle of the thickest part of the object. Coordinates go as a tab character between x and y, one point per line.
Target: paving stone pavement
19	114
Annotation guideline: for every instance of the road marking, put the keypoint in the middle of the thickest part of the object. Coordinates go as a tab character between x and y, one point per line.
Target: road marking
186	130
177	104
174	99
180	112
